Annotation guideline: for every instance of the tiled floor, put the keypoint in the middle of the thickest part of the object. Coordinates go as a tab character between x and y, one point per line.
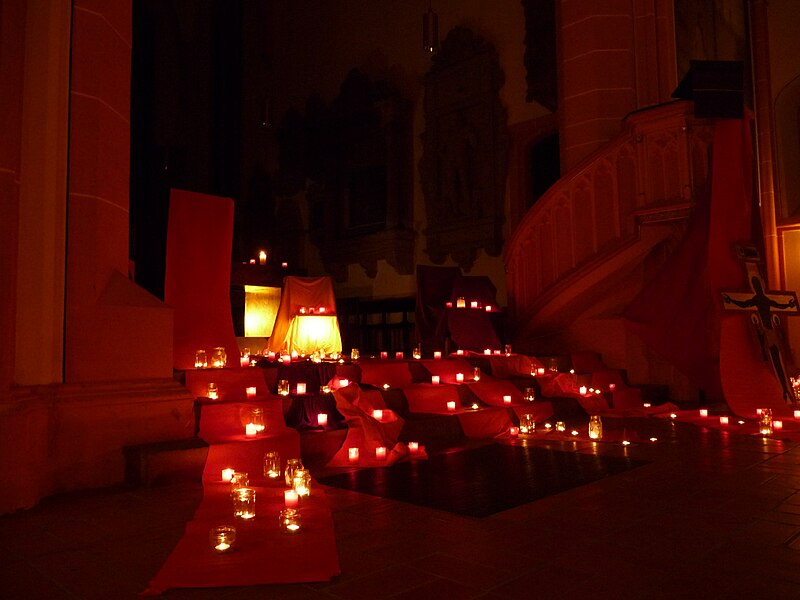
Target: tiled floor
713	516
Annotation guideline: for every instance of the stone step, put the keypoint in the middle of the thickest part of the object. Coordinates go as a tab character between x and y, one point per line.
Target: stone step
165	462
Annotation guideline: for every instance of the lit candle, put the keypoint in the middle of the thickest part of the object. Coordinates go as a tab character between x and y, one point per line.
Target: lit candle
612	387
413	447
777	424
343	383
289	520
460	302
496	352
212	391
352	455
290	498
380	453
222	539
513	431
540	371
448	304
582	390
244	360
398	355
459	377
271	355
301	388
437	355
451	405
506	399
284	264
724	420
294	355
488	308
703	412
262	258
487	351
251	392
473	304
251	429
386	386
227	474
797	414
322	419
377	414
322	310
252	261
647	405
384	355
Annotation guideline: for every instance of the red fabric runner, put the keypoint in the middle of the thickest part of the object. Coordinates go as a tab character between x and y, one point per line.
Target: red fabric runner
264	554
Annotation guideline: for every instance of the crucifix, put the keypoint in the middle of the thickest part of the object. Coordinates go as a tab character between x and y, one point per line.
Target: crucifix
765	306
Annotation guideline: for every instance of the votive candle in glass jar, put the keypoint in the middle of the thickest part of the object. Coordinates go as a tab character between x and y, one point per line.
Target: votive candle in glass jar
380	452
218	357
222	539
765	425
527	425
459	377
476	374
257	418
213	392
595	427
301	482
239	480
289	520
352	455
354	354
529	395
283	387
561	426
200	360
291	466
244	503
272	464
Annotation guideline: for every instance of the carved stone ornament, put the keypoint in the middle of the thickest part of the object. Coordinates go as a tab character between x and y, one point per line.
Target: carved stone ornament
465	151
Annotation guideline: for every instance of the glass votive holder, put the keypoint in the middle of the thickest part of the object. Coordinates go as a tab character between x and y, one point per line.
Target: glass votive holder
766	425
213	392
239	480
354	354
301	482
257	418
244	503
476	374
272	465
352	455
200	359
508	349
283	387
529	395
595	427
218	357
526	424
222	539
552	365
291	466
561	426
417	353
289	520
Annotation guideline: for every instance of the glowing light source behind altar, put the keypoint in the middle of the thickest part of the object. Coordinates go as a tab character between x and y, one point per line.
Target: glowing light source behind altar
430	31
310	333
260	309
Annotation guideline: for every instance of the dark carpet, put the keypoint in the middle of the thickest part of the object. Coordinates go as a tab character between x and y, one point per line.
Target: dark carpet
482	481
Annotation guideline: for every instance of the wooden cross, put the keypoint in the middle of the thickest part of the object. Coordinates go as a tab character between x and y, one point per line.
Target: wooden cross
765	305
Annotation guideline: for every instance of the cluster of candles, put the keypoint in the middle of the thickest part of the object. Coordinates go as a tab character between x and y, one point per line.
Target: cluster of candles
312	310
219	358
461	302
381	452
766	423
222	539
262	260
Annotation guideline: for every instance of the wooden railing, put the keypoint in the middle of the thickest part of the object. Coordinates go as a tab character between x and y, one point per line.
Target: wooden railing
657	166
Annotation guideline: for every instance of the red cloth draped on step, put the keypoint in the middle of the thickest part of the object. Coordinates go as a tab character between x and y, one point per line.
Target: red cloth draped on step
365	432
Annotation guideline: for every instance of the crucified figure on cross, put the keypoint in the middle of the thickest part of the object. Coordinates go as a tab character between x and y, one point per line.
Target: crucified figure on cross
766	304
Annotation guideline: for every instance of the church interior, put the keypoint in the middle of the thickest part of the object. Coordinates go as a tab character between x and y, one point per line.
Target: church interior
381	299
